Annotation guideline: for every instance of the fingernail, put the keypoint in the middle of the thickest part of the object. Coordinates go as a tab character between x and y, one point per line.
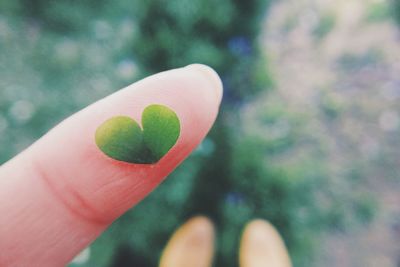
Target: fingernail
211	75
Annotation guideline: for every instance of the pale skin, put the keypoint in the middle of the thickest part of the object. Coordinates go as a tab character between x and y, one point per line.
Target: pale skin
192	245
61	193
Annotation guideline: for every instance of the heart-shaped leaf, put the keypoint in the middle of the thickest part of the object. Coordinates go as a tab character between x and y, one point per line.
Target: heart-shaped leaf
121	138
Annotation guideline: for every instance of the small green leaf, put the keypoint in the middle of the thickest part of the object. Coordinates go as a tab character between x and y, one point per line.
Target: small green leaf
161	129
121	138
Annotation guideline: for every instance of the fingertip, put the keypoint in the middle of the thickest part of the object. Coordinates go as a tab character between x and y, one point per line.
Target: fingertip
201	229
262	245
191	245
211	76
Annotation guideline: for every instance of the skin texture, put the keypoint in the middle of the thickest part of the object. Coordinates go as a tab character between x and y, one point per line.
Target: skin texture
60	194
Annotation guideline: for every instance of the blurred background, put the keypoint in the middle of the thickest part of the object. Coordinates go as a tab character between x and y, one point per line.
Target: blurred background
307	138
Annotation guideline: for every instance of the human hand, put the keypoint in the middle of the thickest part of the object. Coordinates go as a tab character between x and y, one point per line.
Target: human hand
62	192
193	245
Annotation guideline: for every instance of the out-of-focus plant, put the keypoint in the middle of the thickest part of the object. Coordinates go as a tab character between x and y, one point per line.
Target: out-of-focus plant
378	11
396	4
325	25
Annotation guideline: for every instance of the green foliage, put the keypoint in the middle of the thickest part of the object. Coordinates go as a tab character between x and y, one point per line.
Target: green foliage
59	16
366	208
383	10
378	11
121	137
59	56
216	33
325	26
351	62
396	9
329	106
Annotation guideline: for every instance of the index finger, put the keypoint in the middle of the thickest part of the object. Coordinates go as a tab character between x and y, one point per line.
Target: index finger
62	192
